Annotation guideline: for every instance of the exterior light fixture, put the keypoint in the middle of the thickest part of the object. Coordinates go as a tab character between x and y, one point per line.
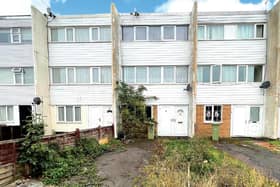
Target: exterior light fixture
265	85
135	13
189	88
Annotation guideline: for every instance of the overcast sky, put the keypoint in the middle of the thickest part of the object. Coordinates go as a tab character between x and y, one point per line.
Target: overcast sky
22	7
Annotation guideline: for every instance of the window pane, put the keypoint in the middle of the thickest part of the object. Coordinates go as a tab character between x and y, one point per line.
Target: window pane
15	35
201	32
26	35
141	74
155	74
127	34
60	113
5	36
82	75
94	34
128	75
71	76
106	75
58	34
28	76
69	113
254	114
70	35
77	113
3	113
203	74
245	31
18	78
217	114
82	34
168	32
229	73
215	32
181	74
216	72
168	74
241	73
208	113
141	33
182	33
155	33
59	75
95	75
10	110
255	73
105	33
259	31
6	76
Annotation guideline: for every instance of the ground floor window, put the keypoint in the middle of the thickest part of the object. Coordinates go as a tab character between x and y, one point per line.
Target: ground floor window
213	113
6	113
69	113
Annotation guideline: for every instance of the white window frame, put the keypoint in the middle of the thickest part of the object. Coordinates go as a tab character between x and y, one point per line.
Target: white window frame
99	75
162	33
212	120
65	33
246	73
17	33
255	31
7	118
73	109
211	74
147	33
98	34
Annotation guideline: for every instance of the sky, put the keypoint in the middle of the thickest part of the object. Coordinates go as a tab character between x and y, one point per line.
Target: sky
66	7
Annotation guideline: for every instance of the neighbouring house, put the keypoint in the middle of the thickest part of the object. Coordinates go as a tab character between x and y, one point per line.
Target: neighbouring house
204	68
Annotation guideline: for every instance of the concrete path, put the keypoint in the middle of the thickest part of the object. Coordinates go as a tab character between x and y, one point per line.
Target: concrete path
263	160
119	169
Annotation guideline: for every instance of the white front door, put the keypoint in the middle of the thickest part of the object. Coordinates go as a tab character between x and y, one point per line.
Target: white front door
99	116
247	121
173	121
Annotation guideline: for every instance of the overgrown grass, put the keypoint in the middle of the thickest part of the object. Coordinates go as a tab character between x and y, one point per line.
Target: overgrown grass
198	163
275	143
76	162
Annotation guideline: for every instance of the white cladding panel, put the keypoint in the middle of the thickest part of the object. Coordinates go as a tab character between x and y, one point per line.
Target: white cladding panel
80	54
81	95
232	52
81	20
156	19
232	17
230	94
16	55
167	94
6	23
155	53
17	95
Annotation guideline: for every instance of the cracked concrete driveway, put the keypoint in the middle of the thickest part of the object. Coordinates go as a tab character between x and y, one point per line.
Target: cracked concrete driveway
263	160
120	168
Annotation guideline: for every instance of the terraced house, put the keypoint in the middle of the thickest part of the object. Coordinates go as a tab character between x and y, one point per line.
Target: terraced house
204	68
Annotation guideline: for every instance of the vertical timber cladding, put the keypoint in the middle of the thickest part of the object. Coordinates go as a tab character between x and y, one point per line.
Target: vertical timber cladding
115	64
272	72
203	129
41	65
193	72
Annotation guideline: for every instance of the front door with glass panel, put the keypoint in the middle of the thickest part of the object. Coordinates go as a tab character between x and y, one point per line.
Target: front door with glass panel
99	116
247	121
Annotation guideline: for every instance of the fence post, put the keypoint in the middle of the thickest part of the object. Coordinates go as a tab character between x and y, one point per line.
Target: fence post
77	135
99	132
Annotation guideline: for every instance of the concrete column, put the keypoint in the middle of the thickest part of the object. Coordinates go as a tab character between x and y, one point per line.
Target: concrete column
41	66
115	64
272	73
193	71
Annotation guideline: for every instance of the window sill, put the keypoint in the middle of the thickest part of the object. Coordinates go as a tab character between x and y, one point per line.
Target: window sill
80	84
253	39
69	122
50	42
212	122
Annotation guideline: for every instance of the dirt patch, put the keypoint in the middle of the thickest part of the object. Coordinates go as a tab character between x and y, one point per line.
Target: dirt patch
120	168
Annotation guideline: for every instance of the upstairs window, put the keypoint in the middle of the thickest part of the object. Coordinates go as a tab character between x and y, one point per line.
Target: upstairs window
128	34
181	74
201	32
242	73
260	31
58	34
210	32
229	73
154	33
26	35
168	74
69	34
255	73
141	74
59	75
105	33
82	75
168	32
82	34
140	33
6	76
245	31
5	36
182	33
155	74
106	75
203	74
216	73
16	36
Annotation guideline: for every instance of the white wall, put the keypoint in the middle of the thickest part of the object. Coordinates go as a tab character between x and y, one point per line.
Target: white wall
16	95
80	54
156	53
232	52
230	94
81	95
16	55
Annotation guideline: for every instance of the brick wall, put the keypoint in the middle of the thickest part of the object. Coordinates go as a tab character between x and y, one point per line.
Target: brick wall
205	129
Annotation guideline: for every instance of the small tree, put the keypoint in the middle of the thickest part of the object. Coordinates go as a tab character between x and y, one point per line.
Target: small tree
133	118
